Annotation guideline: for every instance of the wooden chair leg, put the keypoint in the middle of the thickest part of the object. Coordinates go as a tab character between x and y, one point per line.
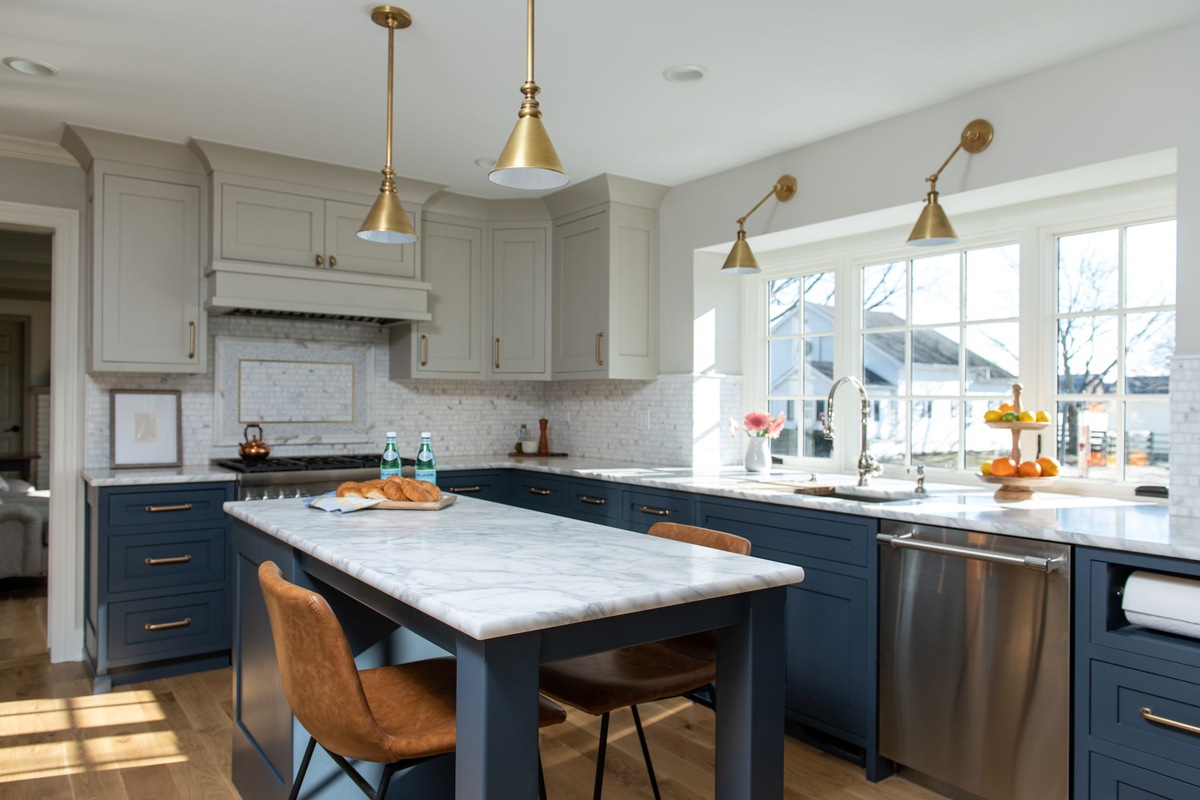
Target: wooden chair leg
308	751
600	757
637	721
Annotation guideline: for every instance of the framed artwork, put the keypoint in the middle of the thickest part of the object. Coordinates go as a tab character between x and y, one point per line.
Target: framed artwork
146	428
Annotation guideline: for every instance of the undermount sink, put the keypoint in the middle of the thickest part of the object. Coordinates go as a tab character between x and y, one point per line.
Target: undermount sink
869	495
840	491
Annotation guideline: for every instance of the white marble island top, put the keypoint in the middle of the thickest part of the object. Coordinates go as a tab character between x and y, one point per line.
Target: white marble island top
490	570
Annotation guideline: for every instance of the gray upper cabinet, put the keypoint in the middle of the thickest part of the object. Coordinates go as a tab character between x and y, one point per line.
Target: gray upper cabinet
520	303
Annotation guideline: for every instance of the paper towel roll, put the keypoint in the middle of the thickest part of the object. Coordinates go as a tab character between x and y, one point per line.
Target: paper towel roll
1163	602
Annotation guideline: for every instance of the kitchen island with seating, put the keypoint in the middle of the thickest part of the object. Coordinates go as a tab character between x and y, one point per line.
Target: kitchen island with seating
504	590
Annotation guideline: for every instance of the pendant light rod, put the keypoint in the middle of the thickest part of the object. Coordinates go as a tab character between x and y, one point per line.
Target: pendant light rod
391	26
529	41
933	227
741	259
783	190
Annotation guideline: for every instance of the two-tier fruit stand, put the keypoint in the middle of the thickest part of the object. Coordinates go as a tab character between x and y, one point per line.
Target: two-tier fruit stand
1014	487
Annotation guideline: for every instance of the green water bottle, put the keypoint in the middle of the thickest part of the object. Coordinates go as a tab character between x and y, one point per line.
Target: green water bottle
426	467
389	465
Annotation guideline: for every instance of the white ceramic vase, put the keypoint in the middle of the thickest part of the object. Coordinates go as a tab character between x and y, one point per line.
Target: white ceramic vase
758	454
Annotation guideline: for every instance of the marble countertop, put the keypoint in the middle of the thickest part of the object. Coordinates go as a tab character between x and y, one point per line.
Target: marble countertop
492	571
149	476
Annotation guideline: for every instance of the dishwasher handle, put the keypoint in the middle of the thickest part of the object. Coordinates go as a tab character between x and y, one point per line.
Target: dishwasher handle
906	541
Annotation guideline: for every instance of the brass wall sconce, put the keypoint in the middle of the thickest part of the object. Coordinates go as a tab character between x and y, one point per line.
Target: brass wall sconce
741	261
529	160
387	221
933	227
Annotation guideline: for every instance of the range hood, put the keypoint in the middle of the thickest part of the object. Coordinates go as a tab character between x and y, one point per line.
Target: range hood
270	290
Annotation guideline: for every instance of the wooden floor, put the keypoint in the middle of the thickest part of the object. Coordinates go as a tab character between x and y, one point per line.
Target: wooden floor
170	738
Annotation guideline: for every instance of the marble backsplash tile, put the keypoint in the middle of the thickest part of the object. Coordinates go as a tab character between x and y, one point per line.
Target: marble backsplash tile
1185	436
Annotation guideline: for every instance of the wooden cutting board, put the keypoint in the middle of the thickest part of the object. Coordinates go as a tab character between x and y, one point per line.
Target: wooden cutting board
395	505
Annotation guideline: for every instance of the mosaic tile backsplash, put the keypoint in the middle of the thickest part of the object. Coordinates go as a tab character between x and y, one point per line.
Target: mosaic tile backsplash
1185	436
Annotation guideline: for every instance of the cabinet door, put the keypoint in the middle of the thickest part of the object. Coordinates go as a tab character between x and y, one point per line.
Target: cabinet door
519	309
348	253
581	297
272	227
632	332
148	313
450	343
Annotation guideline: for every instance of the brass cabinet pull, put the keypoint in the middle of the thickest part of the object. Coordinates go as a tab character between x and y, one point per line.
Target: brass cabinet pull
599	360
332	262
320	260
154	562
496	352
180	507
192	340
543	492
1150	716
465	489
162	626
658	512
424	350
596	501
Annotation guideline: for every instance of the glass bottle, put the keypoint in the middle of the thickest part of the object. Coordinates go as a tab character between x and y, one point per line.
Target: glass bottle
389	465
426	467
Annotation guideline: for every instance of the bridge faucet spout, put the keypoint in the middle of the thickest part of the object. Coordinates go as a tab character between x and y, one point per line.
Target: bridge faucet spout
868	465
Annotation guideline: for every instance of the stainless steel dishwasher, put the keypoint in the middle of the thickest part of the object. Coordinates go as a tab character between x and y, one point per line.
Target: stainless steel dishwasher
974	661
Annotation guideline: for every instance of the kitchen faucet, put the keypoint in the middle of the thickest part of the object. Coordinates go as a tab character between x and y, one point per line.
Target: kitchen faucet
868	465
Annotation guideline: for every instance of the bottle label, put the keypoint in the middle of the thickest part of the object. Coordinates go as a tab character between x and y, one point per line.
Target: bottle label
425	474
385	473
389	453
425	455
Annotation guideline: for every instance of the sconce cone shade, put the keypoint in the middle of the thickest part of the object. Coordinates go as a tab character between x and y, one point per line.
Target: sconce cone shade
529	160
933	228
387	222
740	261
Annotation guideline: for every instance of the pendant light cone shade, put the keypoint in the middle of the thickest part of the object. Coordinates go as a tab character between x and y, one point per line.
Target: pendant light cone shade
529	160
933	227
741	260
387	222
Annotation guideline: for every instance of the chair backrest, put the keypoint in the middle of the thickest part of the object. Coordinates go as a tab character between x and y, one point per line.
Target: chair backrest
705	537
319	676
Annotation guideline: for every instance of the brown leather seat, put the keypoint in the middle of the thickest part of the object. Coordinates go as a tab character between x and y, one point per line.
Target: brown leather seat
629	676
398	715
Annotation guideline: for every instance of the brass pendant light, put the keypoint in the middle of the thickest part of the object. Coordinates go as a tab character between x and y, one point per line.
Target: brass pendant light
741	260
387	221
933	227
529	160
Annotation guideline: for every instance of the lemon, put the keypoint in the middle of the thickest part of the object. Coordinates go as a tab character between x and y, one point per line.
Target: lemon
1042	417
1025	416
992	415
985	468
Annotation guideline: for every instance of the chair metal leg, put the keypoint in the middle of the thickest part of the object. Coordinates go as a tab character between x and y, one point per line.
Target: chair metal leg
308	751
388	771
637	721
600	756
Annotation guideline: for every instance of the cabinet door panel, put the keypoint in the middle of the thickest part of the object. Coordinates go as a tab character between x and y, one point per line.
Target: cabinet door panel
342	221
519	301
149	273
454	266
272	227
581	295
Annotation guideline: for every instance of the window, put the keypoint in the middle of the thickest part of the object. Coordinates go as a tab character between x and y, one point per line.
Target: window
1115	334
939	334
800	317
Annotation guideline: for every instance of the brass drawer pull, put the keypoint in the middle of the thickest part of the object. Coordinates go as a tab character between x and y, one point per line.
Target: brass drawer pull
583	498
1150	716
154	562
320	260
543	492
424	350
465	489
332	262
162	626
496	353
192	339
658	512
599	360
180	507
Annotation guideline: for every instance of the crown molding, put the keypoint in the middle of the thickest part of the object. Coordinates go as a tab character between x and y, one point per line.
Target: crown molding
32	150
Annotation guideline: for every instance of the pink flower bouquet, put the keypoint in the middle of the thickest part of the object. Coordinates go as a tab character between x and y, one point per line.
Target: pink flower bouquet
758	423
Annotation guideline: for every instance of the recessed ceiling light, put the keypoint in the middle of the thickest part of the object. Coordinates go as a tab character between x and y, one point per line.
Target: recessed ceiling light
485	163
38	69
685	73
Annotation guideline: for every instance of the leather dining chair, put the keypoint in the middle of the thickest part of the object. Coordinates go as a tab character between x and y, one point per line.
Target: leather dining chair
630	676
398	715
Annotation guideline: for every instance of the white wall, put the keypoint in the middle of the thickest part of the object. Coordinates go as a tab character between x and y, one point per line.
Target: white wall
1131	100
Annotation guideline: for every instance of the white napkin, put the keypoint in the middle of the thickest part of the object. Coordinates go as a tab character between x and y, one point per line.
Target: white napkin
331	502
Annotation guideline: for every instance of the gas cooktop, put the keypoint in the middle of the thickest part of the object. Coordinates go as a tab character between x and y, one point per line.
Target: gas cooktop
305	463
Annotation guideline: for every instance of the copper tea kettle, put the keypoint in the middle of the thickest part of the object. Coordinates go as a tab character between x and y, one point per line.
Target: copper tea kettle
253	450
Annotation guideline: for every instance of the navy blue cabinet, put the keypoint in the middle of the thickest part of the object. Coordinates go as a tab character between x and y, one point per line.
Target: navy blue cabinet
594	501
156	581
1137	690
641	508
485	484
539	491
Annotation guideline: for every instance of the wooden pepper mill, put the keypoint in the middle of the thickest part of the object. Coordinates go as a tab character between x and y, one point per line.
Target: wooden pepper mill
543	441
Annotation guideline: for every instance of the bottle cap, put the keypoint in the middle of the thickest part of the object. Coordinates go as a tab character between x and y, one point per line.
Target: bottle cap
391	434
426	434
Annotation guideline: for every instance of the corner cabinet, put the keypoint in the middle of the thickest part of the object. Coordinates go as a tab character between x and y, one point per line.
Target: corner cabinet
519	282
605	283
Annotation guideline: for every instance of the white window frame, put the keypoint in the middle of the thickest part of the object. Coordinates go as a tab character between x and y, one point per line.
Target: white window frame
1034	226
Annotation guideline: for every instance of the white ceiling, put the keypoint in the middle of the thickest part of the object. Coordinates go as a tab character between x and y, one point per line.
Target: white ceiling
308	77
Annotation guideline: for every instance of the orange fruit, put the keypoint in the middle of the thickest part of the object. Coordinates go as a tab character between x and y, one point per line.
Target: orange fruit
1030	469
1004	467
1005	408
1049	466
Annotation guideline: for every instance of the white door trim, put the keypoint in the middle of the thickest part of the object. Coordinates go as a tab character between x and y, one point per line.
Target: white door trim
64	624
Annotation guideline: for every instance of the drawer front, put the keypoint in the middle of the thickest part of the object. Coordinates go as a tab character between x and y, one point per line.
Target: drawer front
167	508
540	492
836	538
168	627
167	559
640	510
1116	779
485	485
592	501
1118	696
